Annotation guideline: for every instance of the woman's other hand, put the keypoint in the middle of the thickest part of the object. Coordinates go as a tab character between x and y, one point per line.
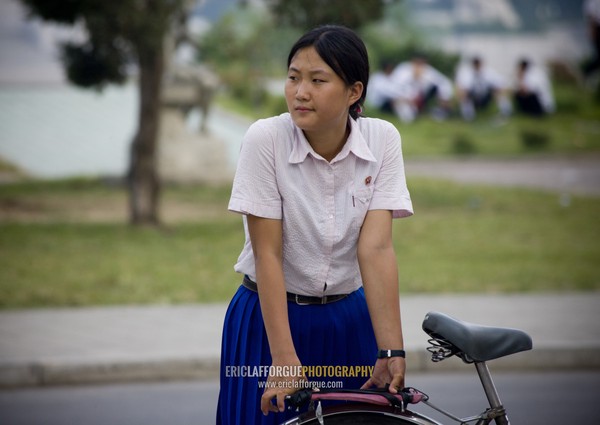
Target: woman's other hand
285	378
388	371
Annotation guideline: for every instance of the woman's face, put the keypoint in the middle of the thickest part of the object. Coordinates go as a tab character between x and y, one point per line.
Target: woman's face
317	98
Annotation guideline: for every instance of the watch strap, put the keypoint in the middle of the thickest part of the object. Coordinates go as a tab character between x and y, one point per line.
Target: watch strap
385	354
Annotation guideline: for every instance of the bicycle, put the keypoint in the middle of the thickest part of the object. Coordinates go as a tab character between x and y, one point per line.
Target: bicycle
473	343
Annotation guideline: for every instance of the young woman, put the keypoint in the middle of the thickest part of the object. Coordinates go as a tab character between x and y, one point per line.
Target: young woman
318	188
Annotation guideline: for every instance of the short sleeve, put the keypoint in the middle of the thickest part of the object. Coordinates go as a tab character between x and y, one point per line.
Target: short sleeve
391	191
255	189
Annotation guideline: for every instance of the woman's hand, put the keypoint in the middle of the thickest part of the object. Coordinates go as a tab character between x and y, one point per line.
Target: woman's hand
285	378
388	371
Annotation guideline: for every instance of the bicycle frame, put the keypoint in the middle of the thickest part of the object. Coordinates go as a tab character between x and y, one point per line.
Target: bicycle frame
496	411
474	344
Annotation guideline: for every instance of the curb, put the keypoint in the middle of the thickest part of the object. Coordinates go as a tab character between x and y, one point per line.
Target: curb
54	374
49	374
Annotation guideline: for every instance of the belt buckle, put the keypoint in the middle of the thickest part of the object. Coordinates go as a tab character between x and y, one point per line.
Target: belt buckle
298	301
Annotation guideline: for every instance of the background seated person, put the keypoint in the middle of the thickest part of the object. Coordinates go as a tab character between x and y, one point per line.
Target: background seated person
382	93
419	85
477	85
533	92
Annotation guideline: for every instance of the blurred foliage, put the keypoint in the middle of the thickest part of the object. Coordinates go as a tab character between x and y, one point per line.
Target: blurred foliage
306	14
118	34
248	47
88	65
394	38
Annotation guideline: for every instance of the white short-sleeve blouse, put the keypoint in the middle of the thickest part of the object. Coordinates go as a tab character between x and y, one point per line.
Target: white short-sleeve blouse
322	204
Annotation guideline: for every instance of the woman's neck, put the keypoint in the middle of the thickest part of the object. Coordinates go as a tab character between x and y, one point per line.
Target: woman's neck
328	144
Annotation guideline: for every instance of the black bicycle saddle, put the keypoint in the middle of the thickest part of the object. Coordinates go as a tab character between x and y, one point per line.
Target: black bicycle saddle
479	343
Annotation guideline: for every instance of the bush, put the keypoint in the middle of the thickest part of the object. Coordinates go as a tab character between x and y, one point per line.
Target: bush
534	139
463	145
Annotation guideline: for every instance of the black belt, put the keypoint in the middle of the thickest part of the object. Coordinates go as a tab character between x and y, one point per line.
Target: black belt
295	298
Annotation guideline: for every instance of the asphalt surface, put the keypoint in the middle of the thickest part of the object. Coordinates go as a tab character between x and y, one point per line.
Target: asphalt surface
570	175
531	398
137	343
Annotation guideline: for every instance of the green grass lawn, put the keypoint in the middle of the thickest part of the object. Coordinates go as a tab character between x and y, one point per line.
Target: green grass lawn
467	238
67	244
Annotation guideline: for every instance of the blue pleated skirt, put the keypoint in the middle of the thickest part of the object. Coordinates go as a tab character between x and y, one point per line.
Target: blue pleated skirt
335	334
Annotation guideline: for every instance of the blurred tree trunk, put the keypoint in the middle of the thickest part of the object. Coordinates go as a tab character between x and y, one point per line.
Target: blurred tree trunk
142	177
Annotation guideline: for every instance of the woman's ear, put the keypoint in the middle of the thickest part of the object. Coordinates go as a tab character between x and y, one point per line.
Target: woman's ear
356	91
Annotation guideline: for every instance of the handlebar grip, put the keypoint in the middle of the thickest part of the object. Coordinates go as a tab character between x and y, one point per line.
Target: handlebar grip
299	398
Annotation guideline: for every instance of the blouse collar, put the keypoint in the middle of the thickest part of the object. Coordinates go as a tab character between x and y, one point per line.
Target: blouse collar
355	144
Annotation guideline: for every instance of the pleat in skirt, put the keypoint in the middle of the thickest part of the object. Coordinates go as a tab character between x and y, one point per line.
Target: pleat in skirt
326	337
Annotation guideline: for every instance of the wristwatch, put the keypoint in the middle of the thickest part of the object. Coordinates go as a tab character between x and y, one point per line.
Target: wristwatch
385	354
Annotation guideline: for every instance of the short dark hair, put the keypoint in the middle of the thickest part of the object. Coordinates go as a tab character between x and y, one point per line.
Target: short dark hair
524	63
344	51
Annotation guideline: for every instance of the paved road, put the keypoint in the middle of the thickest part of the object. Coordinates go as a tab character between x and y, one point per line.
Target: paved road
570	175
531	399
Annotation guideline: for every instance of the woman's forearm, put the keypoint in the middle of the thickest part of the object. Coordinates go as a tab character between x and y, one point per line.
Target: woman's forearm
266	238
273	303
379	272
380	280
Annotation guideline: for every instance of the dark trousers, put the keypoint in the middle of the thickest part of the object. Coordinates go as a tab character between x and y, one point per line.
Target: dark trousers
387	107
481	100
427	97
594	63
529	104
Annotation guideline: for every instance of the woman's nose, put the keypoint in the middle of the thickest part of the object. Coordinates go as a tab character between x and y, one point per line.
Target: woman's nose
302	91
